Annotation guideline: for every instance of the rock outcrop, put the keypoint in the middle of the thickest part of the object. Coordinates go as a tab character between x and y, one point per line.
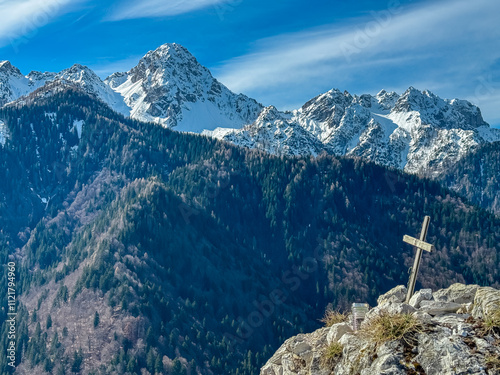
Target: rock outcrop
451	331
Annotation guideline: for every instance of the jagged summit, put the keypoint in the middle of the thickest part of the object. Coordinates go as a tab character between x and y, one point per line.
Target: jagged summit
13	84
416	131
7	67
169	86
169	63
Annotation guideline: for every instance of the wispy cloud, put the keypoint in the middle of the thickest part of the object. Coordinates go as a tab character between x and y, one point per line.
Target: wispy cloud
451	41
158	8
21	19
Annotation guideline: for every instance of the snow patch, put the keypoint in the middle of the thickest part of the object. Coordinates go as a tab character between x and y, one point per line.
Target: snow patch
4	133
51	115
78	124
218	132
489	134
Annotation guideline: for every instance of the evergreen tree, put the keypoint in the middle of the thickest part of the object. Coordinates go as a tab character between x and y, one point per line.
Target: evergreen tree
96	319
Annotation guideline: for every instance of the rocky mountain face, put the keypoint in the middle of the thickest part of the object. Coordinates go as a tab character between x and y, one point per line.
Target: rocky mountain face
167	87
171	88
13	84
417	132
449	331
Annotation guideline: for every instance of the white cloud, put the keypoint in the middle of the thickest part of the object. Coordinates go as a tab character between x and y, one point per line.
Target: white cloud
158	8
21	19
446	43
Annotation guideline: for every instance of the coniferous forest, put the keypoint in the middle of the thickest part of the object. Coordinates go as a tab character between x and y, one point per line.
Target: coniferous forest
139	248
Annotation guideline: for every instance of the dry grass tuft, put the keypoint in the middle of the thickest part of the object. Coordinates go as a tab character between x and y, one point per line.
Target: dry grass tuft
390	327
332	317
332	355
493	362
492	322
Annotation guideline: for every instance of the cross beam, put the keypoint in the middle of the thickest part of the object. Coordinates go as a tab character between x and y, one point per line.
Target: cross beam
420	245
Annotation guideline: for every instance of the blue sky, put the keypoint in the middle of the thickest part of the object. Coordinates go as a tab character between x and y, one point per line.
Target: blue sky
279	52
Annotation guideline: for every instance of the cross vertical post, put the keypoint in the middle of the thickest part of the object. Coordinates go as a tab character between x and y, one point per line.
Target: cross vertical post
420	246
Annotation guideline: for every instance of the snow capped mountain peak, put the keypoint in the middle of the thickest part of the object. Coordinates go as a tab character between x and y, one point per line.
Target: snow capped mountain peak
416	131
170	87
387	100
431	110
327	107
173	70
171	51
271	113
79	74
13	84
85	77
415	100
7	68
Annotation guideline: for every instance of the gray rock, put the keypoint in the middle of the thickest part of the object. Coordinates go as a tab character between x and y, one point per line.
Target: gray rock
436	308
388	308
388	361
456	322
337	331
485	302
458	293
422	316
355	356
300	348
440	353
448	343
466	308
397	294
363	357
298	354
421	295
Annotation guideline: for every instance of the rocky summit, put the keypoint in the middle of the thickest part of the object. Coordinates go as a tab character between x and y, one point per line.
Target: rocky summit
449	331
417	132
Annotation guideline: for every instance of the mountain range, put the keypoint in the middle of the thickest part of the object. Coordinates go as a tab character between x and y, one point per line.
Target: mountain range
417	131
168	87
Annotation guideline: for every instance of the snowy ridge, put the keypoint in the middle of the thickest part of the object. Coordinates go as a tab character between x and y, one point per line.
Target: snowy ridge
14	85
417	132
85	78
168	87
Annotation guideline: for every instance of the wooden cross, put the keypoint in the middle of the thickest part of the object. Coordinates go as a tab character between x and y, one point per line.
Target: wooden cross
420	245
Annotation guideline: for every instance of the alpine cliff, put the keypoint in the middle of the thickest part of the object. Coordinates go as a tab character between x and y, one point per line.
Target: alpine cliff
449	331
171	88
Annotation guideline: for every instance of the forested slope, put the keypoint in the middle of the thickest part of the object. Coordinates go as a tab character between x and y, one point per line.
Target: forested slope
197	255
